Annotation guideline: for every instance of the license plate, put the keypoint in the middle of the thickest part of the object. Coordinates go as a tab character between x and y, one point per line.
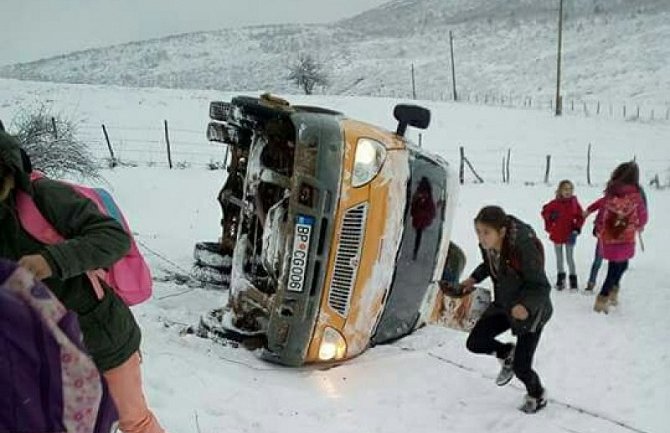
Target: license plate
301	239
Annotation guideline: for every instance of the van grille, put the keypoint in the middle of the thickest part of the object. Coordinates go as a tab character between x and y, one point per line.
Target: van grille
347	258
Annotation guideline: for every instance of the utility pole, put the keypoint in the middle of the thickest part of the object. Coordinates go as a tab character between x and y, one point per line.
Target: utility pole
453	67
413	83
559	101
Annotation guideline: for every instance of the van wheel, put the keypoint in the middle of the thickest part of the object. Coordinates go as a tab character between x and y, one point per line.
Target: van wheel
212	268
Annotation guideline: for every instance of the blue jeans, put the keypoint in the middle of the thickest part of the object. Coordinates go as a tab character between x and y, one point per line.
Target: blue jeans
595	267
615	271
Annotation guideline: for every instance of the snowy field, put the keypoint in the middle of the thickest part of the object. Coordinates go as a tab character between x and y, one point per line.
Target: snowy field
603	373
134	120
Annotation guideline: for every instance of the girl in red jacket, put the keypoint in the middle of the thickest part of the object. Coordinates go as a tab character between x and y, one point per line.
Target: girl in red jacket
423	212
563	220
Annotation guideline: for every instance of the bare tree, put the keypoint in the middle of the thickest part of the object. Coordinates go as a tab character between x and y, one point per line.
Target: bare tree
307	73
52	144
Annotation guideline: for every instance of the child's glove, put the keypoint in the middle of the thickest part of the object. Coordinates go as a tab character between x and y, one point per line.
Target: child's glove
455	291
36	265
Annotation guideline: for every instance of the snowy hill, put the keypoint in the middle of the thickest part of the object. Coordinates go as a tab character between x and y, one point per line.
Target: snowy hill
408	15
615	51
604	373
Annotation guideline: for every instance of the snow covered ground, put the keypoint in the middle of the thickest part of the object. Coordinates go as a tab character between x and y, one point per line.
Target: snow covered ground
604	373
610	370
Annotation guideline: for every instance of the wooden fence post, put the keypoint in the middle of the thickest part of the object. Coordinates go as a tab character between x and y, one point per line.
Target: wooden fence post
588	166
54	130
472	169
656	182
167	142
548	170
509	155
503	170
113	162
461	171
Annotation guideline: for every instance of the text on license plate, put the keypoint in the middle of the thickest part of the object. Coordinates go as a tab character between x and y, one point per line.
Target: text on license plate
300	254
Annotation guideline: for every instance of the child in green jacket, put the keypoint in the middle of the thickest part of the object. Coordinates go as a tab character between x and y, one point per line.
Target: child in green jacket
93	241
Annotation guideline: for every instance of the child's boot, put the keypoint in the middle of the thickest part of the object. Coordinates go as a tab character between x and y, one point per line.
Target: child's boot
601	305
506	368
614	296
573	283
531	405
560	281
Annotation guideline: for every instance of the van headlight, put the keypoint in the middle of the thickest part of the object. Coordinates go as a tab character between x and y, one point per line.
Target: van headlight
370	156
333	346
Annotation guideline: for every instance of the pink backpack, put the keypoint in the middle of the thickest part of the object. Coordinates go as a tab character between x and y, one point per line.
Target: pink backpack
620	219
129	277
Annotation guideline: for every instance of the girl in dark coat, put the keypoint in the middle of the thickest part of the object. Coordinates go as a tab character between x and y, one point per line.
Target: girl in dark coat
513	258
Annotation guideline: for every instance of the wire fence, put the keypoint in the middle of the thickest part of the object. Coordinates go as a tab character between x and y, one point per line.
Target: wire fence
182	147
179	147
571	104
514	165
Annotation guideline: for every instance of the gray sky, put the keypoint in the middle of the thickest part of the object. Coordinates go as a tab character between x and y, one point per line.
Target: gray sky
33	29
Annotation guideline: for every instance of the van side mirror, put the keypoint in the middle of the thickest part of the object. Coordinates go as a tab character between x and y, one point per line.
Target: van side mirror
411	115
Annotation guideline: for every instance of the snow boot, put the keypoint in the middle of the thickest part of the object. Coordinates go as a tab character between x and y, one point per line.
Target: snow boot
531	405
614	296
560	281
601	305
573	283
507	368
589	287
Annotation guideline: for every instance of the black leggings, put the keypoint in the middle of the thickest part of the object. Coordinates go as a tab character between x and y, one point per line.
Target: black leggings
482	341
615	271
